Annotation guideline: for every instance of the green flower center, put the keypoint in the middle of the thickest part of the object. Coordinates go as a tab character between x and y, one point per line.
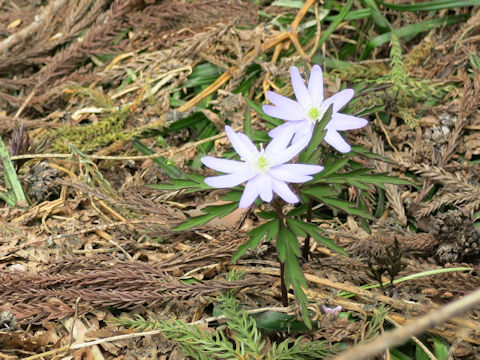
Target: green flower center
313	113
262	163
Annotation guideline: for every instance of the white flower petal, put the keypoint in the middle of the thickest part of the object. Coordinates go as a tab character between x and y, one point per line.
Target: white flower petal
265	188
248	143
339	100
299	169
278	144
230	180
284	191
285	108
285	175
335	140
301	92
315	85
293	150
346	122
238	144
250	193
223	165
288	126
303	133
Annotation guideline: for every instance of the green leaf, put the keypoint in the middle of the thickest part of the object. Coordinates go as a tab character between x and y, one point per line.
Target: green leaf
171	170
335	23
272	321
178	184
331	166
359	185
261	114
268	230
16	194
381	179
294	276
431	5
346	206
293	243
267	214
247	123
186	122
211	211
360	150
353	15
350	174
314	232
320	191
232	196
282	244
420	354
300	210
296	229
411	30
398	355
203	74
377	15
440	348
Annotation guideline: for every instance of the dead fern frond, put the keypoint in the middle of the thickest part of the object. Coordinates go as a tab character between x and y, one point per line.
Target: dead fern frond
392	191
458	190
126	284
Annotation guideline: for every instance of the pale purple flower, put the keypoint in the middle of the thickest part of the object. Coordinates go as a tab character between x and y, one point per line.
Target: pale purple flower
301	115
264	170
331	311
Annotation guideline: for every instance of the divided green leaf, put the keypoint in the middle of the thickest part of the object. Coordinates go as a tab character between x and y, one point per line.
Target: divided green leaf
269	231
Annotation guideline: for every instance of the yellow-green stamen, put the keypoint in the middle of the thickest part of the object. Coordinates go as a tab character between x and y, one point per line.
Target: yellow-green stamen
313	113
262	163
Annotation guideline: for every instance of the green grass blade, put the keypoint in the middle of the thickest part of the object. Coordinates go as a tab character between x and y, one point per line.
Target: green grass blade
409	277
336	22
171	170
411	30
377	15
431	5
11	178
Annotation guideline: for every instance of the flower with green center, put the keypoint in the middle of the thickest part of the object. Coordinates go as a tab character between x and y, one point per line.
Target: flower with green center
264	171
301	116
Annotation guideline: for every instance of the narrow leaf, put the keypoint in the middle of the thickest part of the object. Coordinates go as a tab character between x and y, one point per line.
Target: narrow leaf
211	212
431	5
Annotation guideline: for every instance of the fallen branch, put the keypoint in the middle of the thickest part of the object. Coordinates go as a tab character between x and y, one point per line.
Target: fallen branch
414	327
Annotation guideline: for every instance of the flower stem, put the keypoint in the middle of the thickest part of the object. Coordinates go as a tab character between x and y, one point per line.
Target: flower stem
306	244
277	205
282	284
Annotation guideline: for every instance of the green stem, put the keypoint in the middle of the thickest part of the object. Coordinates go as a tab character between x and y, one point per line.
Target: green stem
277	205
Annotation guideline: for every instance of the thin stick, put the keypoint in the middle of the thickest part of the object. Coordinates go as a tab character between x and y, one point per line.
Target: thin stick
414	327
415	340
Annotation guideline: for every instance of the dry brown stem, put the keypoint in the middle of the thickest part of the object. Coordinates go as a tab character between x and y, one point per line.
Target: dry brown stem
414	327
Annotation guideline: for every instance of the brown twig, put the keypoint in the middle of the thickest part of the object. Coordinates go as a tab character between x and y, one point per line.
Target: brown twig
414	327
